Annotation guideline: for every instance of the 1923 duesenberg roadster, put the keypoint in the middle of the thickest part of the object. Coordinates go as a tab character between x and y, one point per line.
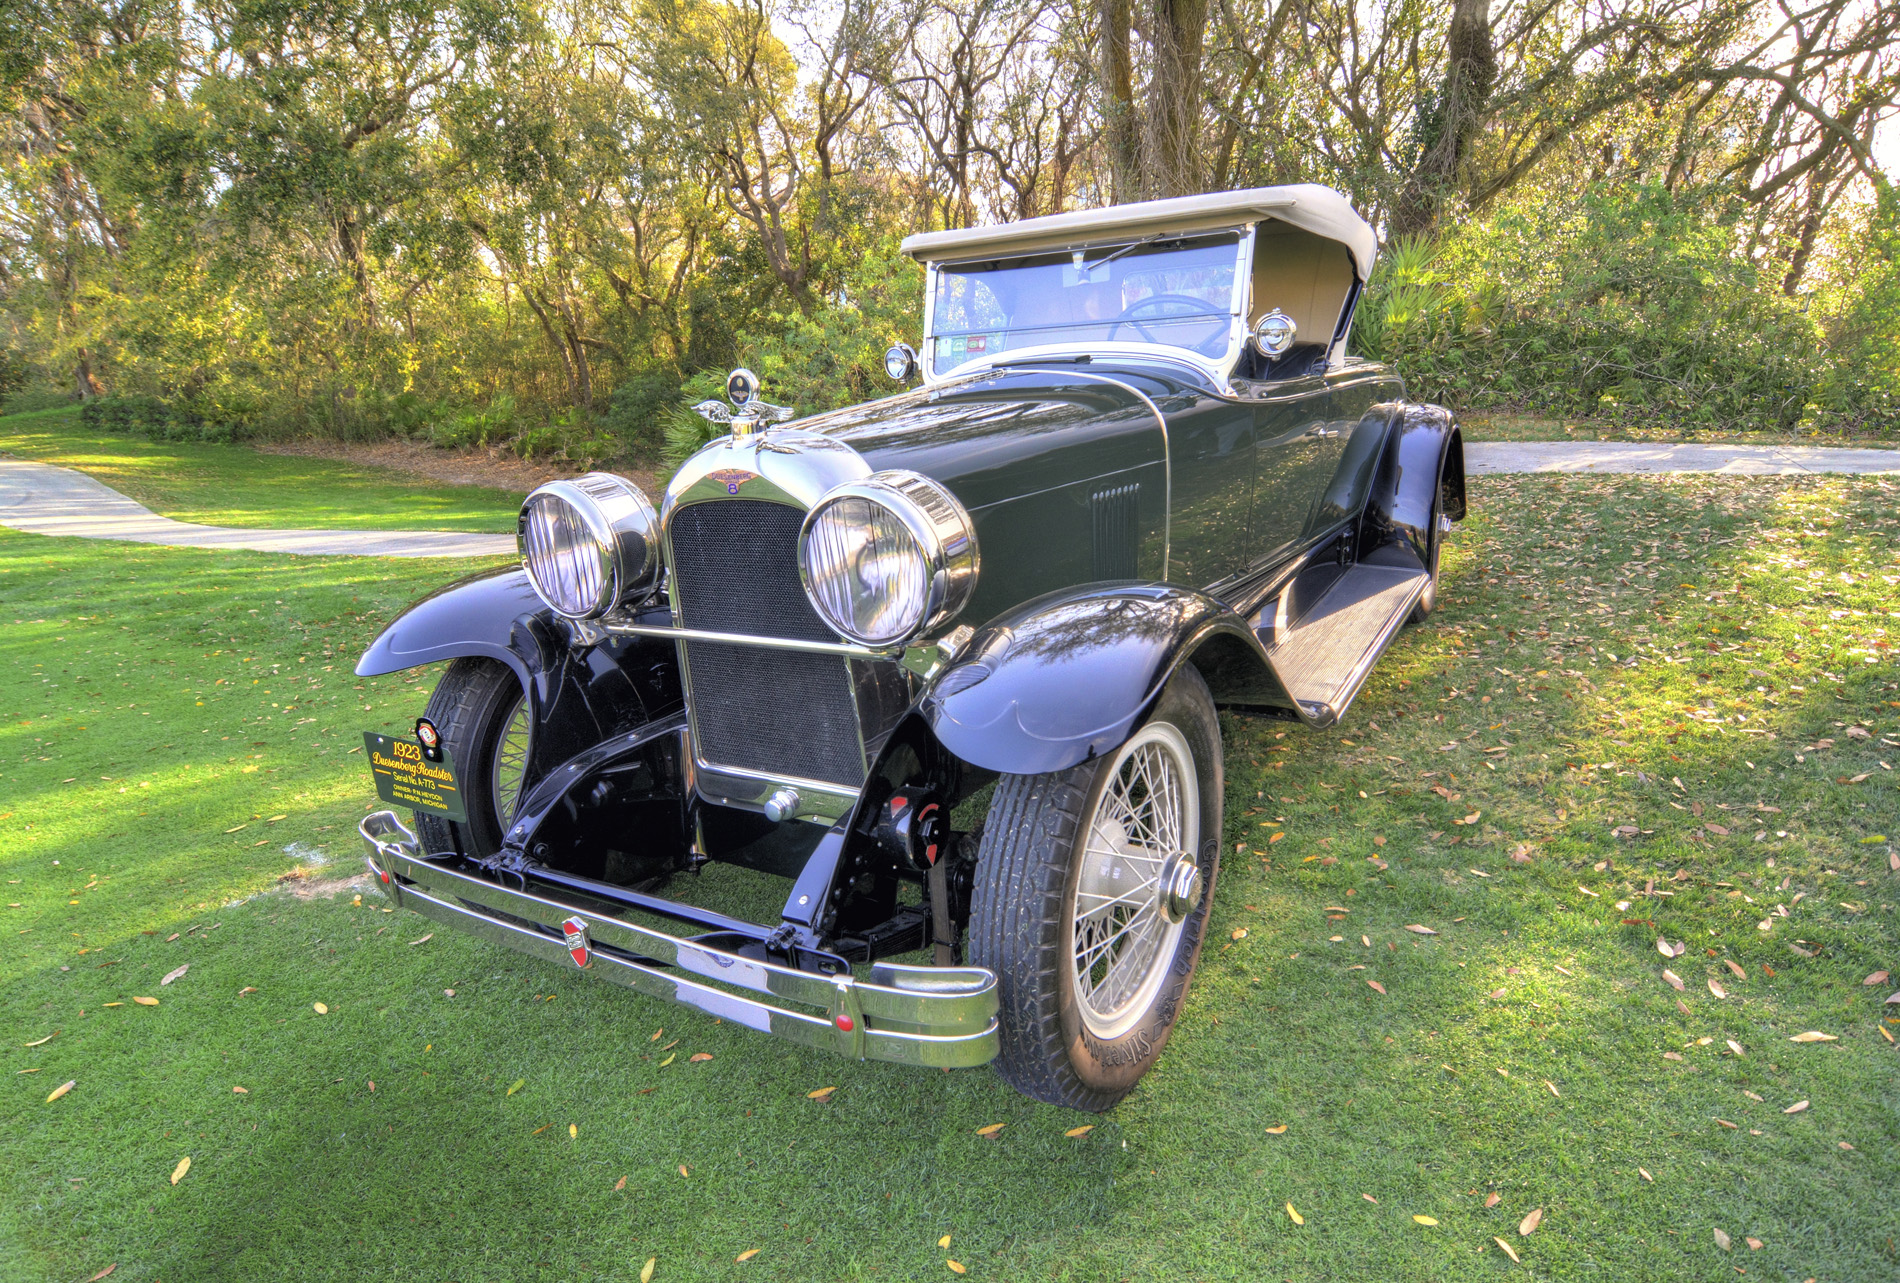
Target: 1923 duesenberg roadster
1141	480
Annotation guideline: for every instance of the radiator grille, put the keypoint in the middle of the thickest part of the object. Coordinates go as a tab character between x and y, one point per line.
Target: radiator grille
735	570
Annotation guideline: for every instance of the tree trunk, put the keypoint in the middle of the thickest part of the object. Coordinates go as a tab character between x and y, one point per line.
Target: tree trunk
1449	124
1171	152
1118	102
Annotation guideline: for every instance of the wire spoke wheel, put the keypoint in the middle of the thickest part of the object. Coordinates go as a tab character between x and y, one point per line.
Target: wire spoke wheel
1121	942
511	760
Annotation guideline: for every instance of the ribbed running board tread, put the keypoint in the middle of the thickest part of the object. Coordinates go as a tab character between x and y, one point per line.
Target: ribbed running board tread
1323	660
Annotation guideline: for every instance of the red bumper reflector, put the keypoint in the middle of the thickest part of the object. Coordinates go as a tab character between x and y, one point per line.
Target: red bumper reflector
845	1023
384	876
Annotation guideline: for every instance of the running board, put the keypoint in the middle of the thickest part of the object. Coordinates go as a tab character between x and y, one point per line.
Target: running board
1324	656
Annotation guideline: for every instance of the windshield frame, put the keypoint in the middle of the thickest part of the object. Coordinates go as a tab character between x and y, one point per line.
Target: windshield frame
1217	368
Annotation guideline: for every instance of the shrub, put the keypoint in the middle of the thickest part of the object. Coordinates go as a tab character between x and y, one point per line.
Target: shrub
150	417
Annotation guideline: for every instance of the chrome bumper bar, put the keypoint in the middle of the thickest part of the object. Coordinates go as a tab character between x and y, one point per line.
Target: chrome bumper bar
938	1016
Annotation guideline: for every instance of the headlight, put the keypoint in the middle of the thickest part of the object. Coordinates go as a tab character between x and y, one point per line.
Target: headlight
885	558
589	544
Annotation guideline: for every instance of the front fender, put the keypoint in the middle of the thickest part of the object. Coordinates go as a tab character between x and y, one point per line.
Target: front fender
472	616
1065	677
581	690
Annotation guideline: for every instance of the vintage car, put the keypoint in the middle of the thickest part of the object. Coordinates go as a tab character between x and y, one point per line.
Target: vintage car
947	663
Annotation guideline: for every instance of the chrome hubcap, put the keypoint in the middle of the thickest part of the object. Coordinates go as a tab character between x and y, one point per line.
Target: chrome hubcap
1138	882
511	761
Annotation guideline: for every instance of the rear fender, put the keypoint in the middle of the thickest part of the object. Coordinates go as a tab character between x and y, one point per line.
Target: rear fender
583	687
1424	450
1065	677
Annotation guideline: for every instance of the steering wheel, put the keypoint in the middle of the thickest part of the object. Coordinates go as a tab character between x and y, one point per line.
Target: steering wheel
1196	308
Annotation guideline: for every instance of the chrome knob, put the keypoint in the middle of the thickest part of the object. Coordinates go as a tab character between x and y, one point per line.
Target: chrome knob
781	805
1180	889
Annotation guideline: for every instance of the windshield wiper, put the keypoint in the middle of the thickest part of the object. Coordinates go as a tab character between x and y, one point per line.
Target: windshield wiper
1086	268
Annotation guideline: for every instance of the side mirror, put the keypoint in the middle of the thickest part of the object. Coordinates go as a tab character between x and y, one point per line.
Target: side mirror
742	385
900	362
1274	333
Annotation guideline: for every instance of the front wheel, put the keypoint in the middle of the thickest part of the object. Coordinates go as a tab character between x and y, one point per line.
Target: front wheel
1091	900
480	709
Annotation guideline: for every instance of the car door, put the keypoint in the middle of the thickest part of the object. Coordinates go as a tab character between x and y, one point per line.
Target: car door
1296	447
1211	460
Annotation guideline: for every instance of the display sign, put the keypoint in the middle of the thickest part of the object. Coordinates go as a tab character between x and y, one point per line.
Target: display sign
406	777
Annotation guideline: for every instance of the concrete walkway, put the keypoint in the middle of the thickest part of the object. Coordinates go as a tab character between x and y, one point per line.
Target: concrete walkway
1639	456
44	500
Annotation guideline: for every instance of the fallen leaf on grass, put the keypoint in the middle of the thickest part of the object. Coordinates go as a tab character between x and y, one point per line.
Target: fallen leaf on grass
656	1034
1666	949
1726	1123
991	1129
646	1271
1884	1032
747	1255
956	1267
669	1060
1717	989
1675	981
1587	891
1878	978
1736	968
41	1042
515	1086
247	989
1277	1131
1497	993
1672	1055
178	1172
1297	1218
543	1127
698	1056
573	1132
1721	1240
1086	1128
1553	1089
1735	1047
1645	1175
944	1241
62	1089
1369	1198
1682	1006
621	1183
320	1008
1493	1199
1240	933
1425	1220
102	1273
823	1093
173	975
240	1091
146	1002
1418	930
1796	1108
1376	985
1275	838
1530	1223
684	1172
1508	1250
1815	1035
424	939
1754	1244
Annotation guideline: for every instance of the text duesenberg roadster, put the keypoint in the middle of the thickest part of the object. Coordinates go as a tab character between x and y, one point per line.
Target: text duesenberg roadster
1141	480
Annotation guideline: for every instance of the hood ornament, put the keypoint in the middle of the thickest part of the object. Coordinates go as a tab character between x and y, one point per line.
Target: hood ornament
742	388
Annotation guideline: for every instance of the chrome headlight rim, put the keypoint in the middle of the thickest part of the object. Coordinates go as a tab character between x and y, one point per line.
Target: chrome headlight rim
937	523
621	525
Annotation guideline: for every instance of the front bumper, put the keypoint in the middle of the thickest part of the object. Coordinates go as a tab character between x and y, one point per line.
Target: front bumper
938	1016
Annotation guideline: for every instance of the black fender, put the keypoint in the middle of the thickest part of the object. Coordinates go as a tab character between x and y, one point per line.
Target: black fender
1065	677
583	686
1424	451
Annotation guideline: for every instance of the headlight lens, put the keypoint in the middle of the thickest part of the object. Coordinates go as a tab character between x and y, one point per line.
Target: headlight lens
885	558
589	544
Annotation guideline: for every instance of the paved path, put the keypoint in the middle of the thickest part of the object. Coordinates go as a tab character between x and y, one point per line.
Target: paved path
1639	456
45	500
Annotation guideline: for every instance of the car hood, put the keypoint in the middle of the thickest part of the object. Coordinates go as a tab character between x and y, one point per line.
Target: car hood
1002	434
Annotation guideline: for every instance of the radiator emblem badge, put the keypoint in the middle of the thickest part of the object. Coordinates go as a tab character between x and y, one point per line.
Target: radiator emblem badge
733	478
577	942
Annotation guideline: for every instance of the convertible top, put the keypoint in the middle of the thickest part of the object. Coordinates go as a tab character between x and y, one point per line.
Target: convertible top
1308	206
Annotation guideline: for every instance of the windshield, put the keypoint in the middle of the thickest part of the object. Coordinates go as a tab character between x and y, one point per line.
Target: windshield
1178	293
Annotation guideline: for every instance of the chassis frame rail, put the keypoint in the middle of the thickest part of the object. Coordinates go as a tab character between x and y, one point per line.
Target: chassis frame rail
943	1017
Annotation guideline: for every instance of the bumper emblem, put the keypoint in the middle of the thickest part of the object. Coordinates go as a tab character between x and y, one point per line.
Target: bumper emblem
577	943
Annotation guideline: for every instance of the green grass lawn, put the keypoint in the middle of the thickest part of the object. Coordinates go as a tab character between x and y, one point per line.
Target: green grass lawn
1671	698
234	485
1483	426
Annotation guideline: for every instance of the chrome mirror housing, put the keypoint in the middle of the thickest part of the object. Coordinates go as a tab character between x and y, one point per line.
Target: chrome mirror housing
1274	333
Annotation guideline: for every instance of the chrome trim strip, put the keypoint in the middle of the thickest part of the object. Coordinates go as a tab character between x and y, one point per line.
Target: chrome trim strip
823	801
850	650
936	1016
1167	454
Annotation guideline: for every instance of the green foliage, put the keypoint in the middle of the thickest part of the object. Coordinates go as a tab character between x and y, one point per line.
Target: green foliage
1619	302
146	416
1863	373
685	431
